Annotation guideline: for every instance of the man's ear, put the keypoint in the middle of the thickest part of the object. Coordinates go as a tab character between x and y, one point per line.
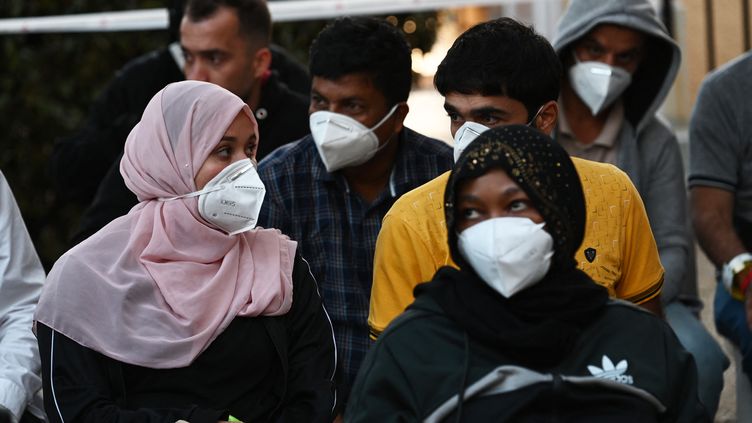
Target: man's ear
262	61
547	118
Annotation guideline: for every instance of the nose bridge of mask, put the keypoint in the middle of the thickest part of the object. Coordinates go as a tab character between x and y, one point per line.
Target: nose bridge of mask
337	126
598	84
230	173
343	141
346	123
466	134
508	253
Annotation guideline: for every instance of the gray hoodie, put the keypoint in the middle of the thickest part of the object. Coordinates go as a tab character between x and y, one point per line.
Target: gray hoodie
647	148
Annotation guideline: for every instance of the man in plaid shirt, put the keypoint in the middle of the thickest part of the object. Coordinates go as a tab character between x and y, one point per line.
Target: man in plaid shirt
331	189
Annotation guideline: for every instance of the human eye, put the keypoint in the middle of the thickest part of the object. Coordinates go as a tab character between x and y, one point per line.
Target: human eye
489	120
354	108
453	116
216	58
518	206
187	56
627	58
594	49
470	213
223	151
318	102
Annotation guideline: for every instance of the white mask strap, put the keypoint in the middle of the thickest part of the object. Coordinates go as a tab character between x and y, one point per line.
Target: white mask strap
530	124
388	115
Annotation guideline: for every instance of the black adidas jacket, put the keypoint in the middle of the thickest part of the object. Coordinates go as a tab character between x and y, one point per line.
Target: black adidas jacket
626	367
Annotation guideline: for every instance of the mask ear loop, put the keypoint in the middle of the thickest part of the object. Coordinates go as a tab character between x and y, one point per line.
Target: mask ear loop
530	124
388	115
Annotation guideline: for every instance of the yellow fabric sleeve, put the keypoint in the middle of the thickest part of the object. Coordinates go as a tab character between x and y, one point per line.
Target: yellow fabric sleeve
642	275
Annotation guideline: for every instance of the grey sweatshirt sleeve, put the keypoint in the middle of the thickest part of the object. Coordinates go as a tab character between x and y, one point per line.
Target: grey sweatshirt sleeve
664	194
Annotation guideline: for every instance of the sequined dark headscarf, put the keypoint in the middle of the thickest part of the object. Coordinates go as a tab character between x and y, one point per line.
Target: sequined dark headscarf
539	325
541	168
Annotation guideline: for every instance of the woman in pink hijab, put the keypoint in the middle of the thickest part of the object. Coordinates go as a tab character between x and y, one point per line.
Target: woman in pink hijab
182	309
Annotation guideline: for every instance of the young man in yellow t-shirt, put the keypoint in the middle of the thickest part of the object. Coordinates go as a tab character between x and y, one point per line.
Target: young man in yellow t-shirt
501	73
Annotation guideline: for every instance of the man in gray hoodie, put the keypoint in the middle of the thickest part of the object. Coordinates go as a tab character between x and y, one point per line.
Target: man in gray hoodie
619	65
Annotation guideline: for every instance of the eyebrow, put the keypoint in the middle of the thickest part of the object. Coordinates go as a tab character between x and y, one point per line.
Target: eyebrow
449	108
506	193
591	40
487	110
339	100
231	138
207	52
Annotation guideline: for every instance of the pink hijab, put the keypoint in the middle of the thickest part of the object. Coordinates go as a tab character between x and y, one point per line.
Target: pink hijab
155	287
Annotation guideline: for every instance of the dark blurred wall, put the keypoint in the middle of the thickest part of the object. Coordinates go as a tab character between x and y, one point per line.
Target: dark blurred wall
48	81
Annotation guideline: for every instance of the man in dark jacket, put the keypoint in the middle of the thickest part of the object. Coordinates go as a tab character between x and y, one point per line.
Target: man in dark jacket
224	42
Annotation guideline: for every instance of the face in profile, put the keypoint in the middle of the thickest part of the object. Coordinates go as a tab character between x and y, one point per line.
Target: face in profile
493	194
238	142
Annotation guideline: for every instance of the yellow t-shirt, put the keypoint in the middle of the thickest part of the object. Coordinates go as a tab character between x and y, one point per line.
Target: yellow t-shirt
618	251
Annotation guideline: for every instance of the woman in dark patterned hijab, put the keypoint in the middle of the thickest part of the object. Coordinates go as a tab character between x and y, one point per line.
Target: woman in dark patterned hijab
541	168
538	324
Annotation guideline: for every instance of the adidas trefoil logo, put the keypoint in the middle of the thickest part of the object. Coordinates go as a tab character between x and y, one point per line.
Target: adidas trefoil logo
611	372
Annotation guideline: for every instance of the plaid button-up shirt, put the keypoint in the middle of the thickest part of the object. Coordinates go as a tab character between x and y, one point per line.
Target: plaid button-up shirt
337	229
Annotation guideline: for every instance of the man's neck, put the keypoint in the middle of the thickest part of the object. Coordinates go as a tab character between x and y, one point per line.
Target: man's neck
371	178
584	126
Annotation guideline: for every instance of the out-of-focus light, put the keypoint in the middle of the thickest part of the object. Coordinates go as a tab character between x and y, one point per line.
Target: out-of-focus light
409	26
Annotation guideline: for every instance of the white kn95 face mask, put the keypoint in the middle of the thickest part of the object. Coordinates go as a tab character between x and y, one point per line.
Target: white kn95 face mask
598	84
343	141
508	253
232	200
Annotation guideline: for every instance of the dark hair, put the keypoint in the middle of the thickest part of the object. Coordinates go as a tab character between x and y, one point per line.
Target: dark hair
254	19
175	15
364	45
502	57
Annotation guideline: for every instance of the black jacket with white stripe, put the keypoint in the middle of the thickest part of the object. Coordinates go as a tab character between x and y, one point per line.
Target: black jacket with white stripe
259	369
